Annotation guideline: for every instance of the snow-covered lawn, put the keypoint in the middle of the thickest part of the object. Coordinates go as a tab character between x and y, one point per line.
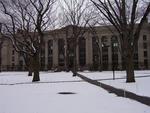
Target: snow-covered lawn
140	87
45	98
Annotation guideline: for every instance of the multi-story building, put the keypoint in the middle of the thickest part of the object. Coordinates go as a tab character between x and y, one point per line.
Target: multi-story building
58	52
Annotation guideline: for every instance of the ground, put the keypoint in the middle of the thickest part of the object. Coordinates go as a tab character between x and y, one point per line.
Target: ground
50	95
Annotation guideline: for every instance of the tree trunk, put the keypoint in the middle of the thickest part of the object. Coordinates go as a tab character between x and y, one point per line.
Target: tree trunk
0	57
75	62
129	68
100	61
30	71
36	68
30	67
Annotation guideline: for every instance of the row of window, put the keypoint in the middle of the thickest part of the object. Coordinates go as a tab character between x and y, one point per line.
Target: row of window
69	52
145	51
82	51
114	47
13	57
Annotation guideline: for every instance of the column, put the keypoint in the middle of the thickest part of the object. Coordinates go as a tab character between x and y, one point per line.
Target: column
55	53
109	53
119	60
46	54
77	55
89	52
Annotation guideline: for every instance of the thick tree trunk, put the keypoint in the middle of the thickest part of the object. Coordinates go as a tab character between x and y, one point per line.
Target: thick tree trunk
130	68
0	57
36	68
74	64
29	73
100	61
30	70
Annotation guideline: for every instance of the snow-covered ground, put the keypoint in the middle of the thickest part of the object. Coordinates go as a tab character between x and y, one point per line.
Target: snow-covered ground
140	87
44	97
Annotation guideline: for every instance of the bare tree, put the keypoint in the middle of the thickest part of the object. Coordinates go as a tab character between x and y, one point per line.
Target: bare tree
26	22
1	42
75	14
98	44
123	15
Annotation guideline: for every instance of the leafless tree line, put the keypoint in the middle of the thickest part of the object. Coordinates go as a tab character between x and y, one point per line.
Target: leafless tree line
25	23
123	15
30	18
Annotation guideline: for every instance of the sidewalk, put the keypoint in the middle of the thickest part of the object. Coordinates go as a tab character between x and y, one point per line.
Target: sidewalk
118	92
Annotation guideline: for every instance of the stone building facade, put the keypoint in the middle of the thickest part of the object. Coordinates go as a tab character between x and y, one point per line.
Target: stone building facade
57	50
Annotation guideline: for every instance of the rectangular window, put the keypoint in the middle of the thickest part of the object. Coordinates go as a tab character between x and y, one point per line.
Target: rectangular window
144	37
42	56
61	52
13	64
42	63
105	58
146	63
104	39
82	51
96	58
13	59
145	45
50	54
13	52
145	53
135	56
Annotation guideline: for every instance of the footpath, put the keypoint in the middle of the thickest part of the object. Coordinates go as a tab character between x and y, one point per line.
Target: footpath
119	92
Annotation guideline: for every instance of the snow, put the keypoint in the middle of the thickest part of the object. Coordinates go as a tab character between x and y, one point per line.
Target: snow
140	87
44	97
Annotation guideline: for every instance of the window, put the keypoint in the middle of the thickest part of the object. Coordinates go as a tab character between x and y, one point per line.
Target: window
105	49
105	62
13	52
42	56
146	63
50	54
145	45
105	46
105	58
145	53
144	37
136	65
21	63
114	44
13	59
135	56
96	57
70	51
61	52
82	49
42	52
104	39
42	62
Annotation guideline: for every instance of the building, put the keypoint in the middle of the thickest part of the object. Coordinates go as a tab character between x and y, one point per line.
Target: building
58	52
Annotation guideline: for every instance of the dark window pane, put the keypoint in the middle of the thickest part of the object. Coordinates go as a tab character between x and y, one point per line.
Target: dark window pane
145	45
61	52
82	49
50	54
144	37
146	63
145	53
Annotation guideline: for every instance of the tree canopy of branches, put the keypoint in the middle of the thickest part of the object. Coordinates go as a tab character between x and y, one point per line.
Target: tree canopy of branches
76	14
25	23
124	15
